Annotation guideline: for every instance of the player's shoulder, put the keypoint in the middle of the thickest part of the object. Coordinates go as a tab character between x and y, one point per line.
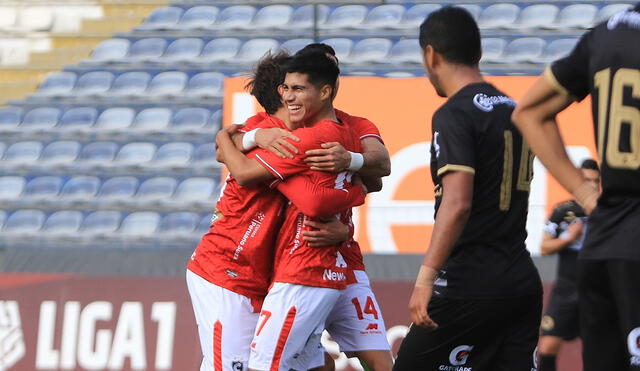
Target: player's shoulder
351	119
263	120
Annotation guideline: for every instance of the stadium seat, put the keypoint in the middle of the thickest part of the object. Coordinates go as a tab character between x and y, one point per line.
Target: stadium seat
498	15
233	17
140	224
254	49
404	51
473	9
108	51
43	188
60	153
414	16
3	215
80	188
204	155
197	17
78	118
218	50
293	45
35	18
24	222
161	19
399	75
173	154
575	16
535	16
383	16
146	50
129	84
302	17
115	118
150	119
215	121
368	50
57	84
345	16
167	83
100	223
11	187
523	49
179	224
341	45
2	148
156	189
93	83
556	49
492	49
270	17
64	222
8	18
196	189
205	85
97	153
22	153
609	10
135	153
42	118
118	188
205	224
10	118
190	119
181	50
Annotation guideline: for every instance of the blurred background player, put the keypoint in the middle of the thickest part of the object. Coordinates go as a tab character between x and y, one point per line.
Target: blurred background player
602	64
477	300
563	235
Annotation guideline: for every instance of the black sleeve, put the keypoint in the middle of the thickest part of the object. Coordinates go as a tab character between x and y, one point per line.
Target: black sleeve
453	143
553	224
570	75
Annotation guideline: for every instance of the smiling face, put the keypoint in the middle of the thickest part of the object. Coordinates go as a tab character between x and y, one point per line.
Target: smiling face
303	99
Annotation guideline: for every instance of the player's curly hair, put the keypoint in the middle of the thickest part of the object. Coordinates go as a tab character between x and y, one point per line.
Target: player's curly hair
265	79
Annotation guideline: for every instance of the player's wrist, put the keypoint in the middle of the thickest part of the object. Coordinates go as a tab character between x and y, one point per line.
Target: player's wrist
249	140
586	195
356	162
426	276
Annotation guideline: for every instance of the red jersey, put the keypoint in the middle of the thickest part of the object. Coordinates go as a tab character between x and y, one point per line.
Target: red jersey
296	262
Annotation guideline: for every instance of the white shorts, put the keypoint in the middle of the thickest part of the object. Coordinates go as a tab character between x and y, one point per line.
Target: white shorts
226	323
356	322
290	327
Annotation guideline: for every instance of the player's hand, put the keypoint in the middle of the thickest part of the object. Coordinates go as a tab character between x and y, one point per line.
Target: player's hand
329	233
418	307
221	133
232	129
332	157
357	181
275	140
575	230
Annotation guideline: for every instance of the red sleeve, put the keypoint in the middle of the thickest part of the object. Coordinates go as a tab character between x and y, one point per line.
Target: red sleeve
362	127
317	201
254	122
282	168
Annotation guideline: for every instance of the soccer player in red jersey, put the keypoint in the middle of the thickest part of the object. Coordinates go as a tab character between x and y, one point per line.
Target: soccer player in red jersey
230	271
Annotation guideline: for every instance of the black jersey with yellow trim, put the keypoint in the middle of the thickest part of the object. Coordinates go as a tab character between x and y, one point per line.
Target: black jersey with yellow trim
606	64
563	215
473	133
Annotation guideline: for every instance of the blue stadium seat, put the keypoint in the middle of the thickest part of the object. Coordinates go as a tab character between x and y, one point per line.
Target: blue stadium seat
179	224
415	15
173	154
399	75
383	16
197	18
302	17
80	188
150	119
60	153
218	50
109	51
78	118
64	222
43	188
368	50
41	118
473	9
498	15
190	119
215	121
293	45
196	189
167	83
93	83
271	16
535	16
118	188
523	49
146	50
492	49
341	45
205	85
3	218
404	51
140	224
254	49
22	153
182	50
10	117
11	187
57	84
115	118
345	16
135	153
575	16
2	148
556	49
161	19
98	153
24	222
158	188
205	224
608	11
100	223
234	17
129	84
204	155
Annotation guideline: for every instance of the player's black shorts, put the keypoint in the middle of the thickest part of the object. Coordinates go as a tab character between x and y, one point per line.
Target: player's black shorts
610	314
561	317
478	335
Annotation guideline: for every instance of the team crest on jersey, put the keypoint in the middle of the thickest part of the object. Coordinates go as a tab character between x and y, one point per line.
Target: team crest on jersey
633	342
237	366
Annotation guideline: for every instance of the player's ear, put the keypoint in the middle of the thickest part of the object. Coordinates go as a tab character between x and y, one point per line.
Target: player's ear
326	92
430	58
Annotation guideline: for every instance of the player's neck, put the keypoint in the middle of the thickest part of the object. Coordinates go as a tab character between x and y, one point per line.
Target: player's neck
457	77
283	114
326	113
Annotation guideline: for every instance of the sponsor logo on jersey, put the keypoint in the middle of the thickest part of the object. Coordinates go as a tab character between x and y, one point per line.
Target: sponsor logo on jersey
330	275
231	273
251	232
12	347
457	359
633	342
372	326
237	366
436	146
486	103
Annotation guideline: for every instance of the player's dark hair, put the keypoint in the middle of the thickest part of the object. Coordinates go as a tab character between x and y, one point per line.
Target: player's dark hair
314	47
590	164
319	69
452	32
266	77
